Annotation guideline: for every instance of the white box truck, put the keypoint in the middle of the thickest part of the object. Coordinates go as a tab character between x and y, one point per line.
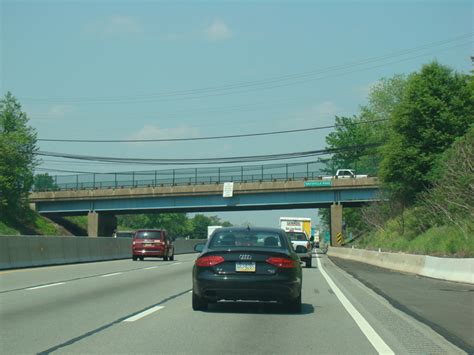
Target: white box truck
298	230
211	229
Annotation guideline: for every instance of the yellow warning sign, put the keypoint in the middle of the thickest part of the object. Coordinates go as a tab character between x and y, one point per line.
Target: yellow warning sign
339	238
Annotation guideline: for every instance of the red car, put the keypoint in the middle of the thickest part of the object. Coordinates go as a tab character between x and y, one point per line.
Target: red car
152	242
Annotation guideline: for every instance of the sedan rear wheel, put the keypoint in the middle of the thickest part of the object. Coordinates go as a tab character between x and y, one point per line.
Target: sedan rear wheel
309	262
199	304
134	258
295	305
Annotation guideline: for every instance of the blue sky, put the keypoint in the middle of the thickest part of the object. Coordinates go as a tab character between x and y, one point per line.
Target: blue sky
105	70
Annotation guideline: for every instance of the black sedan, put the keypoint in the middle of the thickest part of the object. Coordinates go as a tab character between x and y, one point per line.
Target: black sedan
247	264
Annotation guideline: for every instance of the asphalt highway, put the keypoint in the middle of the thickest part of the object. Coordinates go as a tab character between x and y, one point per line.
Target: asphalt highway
145	307
447	307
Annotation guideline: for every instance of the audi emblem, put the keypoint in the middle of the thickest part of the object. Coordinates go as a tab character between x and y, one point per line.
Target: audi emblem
245	257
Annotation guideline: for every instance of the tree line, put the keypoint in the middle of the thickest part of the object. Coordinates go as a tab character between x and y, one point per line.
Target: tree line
421	128
415	133
178	225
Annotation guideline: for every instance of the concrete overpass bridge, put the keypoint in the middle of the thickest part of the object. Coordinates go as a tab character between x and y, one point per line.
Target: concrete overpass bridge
266	187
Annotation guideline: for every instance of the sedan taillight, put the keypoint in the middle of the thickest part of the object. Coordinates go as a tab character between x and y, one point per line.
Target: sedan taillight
207	261
283	263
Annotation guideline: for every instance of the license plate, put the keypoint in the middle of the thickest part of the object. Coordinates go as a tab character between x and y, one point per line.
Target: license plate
148	245
245	267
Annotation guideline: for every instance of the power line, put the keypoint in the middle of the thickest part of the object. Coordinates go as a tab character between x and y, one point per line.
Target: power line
195	138
283	80
200	161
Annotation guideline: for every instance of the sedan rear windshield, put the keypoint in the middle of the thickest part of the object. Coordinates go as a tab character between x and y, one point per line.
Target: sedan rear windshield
148	235
246	239
296	236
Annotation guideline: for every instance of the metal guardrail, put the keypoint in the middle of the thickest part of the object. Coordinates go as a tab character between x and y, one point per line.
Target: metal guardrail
187	176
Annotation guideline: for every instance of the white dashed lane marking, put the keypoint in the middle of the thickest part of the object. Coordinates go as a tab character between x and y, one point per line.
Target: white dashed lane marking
151	267
114	274
44	286
143	314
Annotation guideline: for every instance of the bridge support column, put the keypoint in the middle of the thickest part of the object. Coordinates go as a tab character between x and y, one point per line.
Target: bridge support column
336	222
100	224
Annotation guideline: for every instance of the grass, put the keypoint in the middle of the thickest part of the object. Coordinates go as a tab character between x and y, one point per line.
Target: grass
80	221
33	225
436	241
5	229
44	226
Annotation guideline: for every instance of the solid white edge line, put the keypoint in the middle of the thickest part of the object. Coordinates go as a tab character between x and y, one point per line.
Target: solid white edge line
377	342
143	314
44	286
114	274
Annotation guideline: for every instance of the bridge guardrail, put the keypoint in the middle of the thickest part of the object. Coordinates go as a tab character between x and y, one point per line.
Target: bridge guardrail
188	176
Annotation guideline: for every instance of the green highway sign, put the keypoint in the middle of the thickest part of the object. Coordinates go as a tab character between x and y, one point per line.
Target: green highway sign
317	183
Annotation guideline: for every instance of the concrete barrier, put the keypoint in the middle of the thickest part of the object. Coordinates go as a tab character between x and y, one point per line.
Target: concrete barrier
460	270
450	269
28	251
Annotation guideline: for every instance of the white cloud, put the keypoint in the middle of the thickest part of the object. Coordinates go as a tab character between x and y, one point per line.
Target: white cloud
114	26
54	112
59	111
326	109
364	90
218	31
154	132
319	114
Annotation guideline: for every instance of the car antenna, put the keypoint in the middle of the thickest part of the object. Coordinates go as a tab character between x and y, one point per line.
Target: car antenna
248	227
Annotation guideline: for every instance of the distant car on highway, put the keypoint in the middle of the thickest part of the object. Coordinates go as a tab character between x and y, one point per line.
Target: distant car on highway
247	264
124	234
345	174
300	240
152	242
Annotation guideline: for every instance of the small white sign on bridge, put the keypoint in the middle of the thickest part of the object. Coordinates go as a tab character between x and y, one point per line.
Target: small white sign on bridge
228	189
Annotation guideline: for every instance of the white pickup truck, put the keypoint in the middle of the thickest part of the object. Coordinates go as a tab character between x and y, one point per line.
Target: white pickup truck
344	174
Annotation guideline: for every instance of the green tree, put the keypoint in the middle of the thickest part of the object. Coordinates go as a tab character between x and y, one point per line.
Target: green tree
44	182
369	127
201	222
17	158
451	200
177	224
437	106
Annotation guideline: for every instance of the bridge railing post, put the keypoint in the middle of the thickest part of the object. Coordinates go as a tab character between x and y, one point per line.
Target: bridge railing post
286	171
173	177
262	172
77	182
115	179
93	181
155	179
133	179
219	175
195	176
241	174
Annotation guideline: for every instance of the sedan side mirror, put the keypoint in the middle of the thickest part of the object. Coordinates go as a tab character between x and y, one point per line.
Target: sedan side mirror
199	247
